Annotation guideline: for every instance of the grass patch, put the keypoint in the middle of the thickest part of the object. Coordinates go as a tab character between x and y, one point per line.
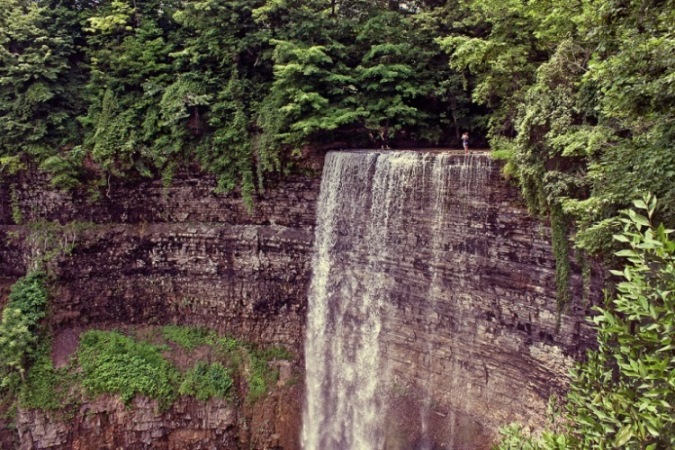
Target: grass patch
114	363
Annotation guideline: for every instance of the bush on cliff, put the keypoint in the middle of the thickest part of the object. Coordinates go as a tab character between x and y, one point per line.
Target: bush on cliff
623	395
205	381
18	329
112	362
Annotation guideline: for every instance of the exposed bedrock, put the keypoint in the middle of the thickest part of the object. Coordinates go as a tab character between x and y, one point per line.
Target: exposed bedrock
106	423
479	350
143	253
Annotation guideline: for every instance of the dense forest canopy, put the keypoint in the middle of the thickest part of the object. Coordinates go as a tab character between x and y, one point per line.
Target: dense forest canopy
145	87
577	97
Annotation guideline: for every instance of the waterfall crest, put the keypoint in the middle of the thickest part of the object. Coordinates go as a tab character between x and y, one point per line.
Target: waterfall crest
379	213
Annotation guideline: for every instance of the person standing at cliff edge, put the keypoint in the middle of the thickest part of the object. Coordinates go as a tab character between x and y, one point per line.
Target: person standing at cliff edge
465	142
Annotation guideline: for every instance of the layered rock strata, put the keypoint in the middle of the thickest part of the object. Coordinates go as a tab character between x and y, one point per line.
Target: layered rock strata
432	306
481	349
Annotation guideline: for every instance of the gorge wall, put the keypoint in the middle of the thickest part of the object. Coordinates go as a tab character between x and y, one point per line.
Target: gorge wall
141	253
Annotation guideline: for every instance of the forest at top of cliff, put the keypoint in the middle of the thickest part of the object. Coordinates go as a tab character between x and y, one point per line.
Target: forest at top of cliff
576	96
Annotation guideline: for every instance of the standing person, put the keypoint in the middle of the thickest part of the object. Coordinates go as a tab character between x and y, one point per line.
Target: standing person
465	142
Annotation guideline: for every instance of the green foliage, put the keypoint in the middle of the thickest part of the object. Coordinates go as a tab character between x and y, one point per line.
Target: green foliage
622	396
114	363
235	87
260	377
18	329
188	337
513	437
235	354
582	98
50	240
205	381
47	388
561	252
38	100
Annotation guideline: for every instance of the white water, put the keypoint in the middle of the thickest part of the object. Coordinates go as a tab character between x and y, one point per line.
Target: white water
366	197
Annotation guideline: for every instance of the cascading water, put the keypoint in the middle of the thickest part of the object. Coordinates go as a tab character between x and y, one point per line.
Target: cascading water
372	205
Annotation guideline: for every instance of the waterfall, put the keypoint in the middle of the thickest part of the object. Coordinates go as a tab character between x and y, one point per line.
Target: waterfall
380	215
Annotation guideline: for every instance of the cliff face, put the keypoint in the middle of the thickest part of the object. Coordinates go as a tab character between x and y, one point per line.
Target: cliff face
150	255
106	423
144	254
432	306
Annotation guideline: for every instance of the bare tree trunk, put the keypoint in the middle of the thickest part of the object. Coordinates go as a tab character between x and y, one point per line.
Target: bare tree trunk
453	109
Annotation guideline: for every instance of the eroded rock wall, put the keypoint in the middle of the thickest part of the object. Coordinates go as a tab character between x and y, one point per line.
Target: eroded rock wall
142	253
433	306
106	423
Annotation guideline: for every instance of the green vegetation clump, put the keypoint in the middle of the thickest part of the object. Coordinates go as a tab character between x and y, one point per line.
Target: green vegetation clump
114	363
622	396
188	337
47	388
19	329
237	355
205	381
260	376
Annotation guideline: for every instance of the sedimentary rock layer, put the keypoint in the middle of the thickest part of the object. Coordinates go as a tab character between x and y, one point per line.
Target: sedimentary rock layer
473	338
432	304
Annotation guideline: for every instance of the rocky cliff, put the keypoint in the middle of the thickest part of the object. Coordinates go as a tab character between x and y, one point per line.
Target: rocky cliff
141	253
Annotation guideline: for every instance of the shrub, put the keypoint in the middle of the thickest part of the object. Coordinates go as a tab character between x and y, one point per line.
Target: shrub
205	381
623	396
188	337
114	363
18	328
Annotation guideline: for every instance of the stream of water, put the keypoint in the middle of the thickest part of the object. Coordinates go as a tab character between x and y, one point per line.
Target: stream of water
366	200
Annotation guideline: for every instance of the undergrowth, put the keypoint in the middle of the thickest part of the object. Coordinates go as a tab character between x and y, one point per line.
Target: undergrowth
46	387
205	381
258	374
128	364
114	363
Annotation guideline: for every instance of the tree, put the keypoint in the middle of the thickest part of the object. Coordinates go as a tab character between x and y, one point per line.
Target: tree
38	71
